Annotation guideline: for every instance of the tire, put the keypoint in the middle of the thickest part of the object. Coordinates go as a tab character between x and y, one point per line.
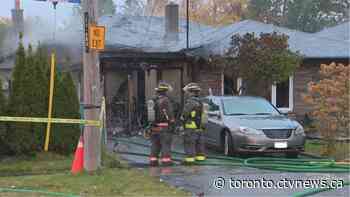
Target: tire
292	155
227	144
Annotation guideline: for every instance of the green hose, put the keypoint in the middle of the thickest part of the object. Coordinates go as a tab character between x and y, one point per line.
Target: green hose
310	192
37	191
180	153
268	163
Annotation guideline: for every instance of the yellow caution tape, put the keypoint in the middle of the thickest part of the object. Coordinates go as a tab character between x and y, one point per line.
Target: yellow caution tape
52	120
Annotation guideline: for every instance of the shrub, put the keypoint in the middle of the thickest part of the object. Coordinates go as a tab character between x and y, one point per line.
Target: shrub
19	136
330	98
262	60
66	105
29	98
2	124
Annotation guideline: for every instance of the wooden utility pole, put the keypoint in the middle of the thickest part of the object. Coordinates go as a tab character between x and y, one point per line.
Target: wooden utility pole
187	24
92	96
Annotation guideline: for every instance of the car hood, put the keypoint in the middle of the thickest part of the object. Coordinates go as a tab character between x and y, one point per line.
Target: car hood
260	122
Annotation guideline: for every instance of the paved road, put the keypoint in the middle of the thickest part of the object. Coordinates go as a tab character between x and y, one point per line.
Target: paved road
200	179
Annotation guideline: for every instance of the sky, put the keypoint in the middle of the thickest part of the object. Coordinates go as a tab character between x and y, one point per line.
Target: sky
36	8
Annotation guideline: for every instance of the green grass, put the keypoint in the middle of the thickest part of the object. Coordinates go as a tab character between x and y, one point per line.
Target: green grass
316	147
40	164
120	181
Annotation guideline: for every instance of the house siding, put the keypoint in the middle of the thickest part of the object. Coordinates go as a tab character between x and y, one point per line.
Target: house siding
308	72
211	79
302	77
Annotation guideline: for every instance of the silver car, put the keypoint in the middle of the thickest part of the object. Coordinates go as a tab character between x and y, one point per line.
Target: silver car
241	125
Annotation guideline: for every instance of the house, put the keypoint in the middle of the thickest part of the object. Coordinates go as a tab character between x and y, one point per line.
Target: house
6	66
316	49
141	50
339	32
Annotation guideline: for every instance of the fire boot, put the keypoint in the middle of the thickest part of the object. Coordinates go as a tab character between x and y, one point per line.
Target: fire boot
166	161
153	161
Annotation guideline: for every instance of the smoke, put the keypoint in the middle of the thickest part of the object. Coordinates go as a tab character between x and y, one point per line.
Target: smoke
68	34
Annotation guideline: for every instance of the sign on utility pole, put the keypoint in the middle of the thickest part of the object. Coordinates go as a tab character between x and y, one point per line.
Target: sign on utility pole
92	93
97	37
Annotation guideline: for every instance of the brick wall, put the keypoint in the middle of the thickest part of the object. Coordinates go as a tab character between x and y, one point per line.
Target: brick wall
302	77
211	79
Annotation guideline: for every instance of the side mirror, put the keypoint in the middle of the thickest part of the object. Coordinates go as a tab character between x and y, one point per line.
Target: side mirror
214	114
284	111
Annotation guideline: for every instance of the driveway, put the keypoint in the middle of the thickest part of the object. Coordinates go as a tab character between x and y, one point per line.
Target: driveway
227	181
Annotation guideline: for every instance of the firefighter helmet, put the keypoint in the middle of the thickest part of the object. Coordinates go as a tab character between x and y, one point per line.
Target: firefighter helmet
192	87
163	87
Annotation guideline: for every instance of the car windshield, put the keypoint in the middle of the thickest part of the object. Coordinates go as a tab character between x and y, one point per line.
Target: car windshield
248	107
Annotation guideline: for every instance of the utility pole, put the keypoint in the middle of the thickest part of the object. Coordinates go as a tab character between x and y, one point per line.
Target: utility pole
17	19
187	23
92	96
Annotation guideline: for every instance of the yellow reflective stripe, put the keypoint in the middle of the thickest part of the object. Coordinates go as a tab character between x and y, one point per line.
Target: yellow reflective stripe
193	114
191	125
163	87
52	120
189	159
200	158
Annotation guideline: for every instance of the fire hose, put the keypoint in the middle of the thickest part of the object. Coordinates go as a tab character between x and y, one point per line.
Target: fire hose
322	165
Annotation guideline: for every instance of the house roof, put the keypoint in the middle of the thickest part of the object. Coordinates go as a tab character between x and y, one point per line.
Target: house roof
147	34
7	62
7	65
309	45
340	32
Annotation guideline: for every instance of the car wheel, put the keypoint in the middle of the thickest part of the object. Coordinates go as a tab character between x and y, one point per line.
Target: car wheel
227	144
292	155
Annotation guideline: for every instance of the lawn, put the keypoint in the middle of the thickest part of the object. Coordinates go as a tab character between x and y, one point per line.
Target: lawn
51	173
316	147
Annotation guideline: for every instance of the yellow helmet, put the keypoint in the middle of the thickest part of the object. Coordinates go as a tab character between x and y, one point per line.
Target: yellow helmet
163	87
192	87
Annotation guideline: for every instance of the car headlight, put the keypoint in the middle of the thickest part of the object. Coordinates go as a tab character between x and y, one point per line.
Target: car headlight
299	130
250	131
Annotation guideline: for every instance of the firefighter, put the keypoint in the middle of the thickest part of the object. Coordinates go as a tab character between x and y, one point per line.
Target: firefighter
161	116
194	116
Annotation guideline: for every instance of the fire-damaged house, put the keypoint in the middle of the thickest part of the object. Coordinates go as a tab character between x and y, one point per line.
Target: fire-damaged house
142	50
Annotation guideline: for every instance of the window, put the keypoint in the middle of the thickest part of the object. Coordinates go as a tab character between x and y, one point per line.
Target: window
248	106
229	85
282	95
213	106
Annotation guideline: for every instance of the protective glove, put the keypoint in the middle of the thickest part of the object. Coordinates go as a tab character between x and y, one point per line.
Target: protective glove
147	131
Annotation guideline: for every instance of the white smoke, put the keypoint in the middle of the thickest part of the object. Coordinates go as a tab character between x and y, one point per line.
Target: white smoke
36	30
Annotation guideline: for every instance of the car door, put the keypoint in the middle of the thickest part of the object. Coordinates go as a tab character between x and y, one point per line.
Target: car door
214	122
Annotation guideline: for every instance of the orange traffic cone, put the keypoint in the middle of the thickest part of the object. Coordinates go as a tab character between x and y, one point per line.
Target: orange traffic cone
78	162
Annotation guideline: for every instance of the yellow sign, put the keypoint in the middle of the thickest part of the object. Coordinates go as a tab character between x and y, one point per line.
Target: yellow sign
97	37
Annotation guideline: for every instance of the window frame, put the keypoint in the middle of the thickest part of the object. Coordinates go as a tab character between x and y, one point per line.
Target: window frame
273	101
290	95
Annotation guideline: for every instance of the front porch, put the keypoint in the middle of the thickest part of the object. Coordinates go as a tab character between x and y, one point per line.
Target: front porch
129	79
